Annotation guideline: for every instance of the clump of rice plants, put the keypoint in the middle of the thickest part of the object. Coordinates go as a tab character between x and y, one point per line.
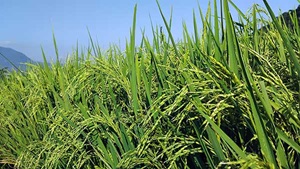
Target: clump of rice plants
221	97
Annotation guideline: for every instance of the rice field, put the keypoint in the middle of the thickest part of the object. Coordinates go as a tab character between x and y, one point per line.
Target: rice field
224	96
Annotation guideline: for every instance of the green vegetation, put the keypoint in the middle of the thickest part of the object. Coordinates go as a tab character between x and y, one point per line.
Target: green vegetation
219	98
3	72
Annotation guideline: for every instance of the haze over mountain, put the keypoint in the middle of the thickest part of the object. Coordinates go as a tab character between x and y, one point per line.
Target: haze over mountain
18	59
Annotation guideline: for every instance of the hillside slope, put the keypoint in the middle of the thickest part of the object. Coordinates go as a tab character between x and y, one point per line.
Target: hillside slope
8	55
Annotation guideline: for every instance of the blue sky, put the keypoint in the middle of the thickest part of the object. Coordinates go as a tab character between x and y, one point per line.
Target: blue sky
26	25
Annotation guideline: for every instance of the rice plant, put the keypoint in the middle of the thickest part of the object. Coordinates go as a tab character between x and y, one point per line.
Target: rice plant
221	97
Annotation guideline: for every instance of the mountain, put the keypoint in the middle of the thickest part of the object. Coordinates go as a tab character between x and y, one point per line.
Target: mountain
18	59
286	18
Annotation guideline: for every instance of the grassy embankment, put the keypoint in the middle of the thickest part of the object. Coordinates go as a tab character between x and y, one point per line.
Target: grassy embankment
218	98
